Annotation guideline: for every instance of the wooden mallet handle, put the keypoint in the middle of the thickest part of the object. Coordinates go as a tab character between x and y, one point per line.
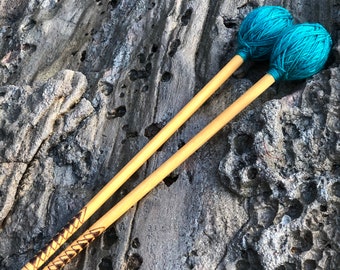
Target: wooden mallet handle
158	175
130	168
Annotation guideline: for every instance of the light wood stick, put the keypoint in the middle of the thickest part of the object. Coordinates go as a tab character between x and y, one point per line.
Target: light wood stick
158	175
130	168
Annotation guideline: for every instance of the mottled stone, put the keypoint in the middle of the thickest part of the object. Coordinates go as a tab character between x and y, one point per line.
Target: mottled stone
287	154
86	84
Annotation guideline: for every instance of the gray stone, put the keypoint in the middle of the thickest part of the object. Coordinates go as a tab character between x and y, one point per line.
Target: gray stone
284	160
86	84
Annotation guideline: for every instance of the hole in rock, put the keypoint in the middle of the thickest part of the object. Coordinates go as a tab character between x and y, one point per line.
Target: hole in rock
99	3
336	189
154	48
287	266
152	5
135	243
166	76
252	257
243	143
29	47
105	264
336	165
306	240
190	176
83	56
308	192
309	265
117	112
133	74
229	23
145	88
186	17
281	189
323	207
152	130
110	237
114	3
290	266
173	47
142	58
134	262
242	265
131	134
107	88
181	144
295	209
252	173
29	25
138	74
169	180
88	158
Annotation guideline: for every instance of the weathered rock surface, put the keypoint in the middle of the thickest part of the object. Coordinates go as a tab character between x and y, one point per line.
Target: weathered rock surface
85	84
284	160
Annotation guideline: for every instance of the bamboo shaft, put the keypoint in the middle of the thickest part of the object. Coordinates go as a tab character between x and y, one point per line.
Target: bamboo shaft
158	175
130	168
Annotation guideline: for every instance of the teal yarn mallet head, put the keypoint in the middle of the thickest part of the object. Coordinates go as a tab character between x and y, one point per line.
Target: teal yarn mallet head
259	31
300	52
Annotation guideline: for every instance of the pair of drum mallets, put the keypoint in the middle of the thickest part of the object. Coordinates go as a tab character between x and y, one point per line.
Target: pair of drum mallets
295	52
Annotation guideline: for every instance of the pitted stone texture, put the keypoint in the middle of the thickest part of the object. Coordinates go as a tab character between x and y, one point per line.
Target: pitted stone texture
288	153
62	137
34	121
